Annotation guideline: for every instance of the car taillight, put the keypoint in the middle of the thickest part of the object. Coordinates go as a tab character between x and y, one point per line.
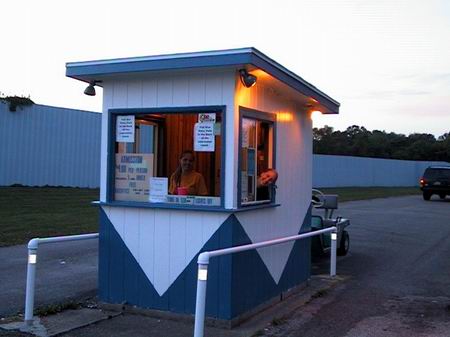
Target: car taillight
422	182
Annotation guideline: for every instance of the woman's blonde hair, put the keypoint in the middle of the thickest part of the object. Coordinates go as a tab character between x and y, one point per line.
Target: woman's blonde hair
178	171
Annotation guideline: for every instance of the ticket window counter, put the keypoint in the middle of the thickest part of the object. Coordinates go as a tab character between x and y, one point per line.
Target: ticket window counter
146	147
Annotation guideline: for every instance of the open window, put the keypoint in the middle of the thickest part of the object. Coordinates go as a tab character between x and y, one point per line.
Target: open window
147	145
257	130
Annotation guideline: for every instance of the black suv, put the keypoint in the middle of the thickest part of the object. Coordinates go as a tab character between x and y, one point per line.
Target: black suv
435	180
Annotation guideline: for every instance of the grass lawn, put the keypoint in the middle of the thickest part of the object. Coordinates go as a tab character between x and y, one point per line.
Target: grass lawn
29	212
363	193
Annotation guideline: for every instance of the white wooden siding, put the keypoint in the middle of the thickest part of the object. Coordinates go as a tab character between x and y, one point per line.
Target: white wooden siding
163	242
293	163
195	88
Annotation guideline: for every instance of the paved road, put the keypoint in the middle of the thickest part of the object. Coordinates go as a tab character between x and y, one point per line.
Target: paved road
64	271
399	269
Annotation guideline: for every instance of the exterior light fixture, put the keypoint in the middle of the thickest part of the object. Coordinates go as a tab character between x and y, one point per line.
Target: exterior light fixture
90	90
315	115
248	80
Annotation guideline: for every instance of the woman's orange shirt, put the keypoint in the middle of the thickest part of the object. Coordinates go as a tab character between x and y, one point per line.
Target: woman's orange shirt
194	182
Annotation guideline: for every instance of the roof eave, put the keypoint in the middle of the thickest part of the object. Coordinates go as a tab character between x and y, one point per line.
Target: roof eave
88	71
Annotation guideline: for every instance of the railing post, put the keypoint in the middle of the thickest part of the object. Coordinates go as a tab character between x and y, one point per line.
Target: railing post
333	253
203	262
33	245
31	280
200	302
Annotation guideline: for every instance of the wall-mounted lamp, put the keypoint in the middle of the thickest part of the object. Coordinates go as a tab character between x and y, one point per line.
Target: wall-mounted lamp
248	80
90	90
315	115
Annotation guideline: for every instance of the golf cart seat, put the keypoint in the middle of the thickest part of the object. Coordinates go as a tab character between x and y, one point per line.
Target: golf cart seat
328	202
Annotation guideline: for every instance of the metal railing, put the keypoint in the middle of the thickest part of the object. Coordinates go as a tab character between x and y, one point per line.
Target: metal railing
33	246
203	261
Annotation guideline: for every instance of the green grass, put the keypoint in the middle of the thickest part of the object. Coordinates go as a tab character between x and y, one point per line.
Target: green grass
29	212
363	193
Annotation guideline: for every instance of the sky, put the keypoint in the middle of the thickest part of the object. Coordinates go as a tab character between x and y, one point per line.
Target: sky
386	61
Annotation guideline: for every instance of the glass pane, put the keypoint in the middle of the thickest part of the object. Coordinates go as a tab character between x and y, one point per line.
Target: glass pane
248	161
134	165
256	158
148	162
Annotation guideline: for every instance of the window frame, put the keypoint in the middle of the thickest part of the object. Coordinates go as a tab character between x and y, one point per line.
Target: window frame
110	158
261	116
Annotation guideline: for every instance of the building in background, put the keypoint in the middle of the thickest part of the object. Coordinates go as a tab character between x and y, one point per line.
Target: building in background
348	171
49	146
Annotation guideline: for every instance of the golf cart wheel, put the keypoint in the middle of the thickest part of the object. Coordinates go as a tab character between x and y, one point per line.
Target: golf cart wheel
442	196
344	244
426	196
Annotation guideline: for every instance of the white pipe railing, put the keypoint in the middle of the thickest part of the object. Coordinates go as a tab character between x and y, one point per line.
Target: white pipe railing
203	261
33	246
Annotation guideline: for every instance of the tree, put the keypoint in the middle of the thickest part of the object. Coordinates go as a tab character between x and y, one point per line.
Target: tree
358	141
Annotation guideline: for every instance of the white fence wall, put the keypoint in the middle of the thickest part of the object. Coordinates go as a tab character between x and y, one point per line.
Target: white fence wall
43	145
340	171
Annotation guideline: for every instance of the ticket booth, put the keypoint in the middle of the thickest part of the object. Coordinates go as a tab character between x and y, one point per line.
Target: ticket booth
231	115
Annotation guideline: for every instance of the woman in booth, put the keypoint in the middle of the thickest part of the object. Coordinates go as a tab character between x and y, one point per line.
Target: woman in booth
185	180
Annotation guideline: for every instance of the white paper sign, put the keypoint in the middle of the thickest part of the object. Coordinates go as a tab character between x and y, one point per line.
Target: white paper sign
204	140
132	174
125	129
159	188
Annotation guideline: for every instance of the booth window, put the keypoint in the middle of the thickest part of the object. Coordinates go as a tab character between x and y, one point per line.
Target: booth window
256	156
147	150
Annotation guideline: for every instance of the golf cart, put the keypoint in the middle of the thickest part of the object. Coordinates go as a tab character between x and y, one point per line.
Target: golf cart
321	244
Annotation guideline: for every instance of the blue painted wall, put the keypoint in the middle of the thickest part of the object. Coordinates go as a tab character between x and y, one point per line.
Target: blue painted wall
340	171
44	145
236	283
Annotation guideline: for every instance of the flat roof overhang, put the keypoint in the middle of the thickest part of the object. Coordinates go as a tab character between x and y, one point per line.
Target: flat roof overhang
92	70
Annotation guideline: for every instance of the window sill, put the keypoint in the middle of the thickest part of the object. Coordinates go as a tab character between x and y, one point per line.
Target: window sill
254	207
136	204
182	207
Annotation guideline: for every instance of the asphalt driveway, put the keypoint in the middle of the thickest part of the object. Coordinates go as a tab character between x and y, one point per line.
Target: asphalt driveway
398	273
64	271
399	270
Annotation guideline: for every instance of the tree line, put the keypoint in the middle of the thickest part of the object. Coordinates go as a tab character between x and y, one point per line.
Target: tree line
358	141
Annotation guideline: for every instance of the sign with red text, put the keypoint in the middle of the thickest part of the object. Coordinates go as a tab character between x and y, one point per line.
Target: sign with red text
207	118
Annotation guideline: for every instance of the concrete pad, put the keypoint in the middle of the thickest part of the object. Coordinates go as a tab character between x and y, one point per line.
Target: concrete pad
73	319
99	323
60	323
